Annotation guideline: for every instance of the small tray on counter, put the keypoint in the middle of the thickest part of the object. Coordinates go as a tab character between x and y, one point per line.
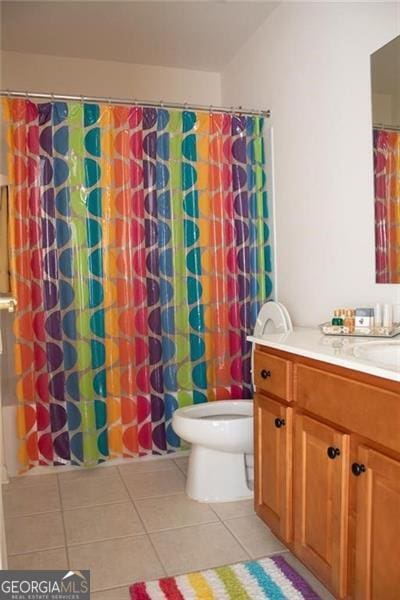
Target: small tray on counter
379	332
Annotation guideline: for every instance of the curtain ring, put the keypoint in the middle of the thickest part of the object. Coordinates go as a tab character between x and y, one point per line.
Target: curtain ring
161	103
52	97
210	110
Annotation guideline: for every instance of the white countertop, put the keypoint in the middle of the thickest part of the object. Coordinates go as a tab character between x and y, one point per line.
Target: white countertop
312	343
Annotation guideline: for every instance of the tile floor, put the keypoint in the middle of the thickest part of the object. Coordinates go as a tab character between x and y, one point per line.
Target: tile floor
129	523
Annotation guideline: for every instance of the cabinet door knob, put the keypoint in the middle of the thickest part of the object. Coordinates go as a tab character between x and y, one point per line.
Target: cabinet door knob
265	374
279	422
333	452
357	469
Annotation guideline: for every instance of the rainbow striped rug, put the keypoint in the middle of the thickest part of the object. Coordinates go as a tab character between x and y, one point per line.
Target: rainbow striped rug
268	578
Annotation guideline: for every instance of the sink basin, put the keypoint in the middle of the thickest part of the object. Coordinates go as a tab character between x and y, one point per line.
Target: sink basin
383	353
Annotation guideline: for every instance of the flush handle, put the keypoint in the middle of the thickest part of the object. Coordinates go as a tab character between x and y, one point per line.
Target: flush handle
357	469
333	452
265	374
280	423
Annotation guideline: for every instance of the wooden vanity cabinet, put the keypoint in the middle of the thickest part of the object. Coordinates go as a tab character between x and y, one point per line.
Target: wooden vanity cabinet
377	540
327	471
321	486
273	465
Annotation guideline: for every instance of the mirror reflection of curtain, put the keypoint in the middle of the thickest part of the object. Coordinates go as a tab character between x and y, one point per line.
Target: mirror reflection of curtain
387	205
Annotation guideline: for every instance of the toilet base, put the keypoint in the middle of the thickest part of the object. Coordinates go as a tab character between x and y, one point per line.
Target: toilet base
215	476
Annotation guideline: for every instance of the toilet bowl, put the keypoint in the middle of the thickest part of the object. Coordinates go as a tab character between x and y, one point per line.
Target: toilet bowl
221	433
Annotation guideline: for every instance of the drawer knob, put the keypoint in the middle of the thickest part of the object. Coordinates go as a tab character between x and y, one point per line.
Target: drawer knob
333	452
265	374
357	469
279	423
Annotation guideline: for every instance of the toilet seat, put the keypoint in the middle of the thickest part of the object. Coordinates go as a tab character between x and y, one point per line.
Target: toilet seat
227	408
273	317
224	425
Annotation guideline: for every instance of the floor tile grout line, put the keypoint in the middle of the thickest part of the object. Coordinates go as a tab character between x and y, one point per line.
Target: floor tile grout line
111	589
242	517
63	522
35	550
139	476
181	493
107	539
180	468
68	482
215	512
31	514
181	526
144	527
122	468
136	500
85	506
159	496
243	546
237	539
29	481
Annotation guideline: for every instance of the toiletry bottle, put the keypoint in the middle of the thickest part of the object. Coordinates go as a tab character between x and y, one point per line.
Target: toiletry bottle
378	316
387	316
349	320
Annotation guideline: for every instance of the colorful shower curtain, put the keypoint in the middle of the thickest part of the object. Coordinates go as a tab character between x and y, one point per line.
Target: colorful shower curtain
140	258
387	205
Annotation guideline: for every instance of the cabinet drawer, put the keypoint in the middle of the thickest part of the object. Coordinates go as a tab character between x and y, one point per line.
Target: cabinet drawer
273	375
368	410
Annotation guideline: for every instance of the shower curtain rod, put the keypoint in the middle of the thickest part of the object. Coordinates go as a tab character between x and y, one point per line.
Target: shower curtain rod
161	104
389	127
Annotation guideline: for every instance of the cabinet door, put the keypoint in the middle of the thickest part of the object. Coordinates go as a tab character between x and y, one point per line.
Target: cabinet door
321	471
273	465
377	572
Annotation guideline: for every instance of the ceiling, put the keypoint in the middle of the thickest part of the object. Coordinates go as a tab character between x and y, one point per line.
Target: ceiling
191	35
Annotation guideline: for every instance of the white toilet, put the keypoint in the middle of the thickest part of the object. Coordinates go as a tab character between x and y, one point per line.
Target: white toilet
221	432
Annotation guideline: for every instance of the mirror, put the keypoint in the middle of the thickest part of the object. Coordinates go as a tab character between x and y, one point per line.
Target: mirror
385	83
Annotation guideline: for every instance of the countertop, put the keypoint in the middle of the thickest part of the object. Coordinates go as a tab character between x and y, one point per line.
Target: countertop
336	350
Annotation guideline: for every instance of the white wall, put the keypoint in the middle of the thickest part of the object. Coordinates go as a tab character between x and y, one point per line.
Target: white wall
309	63
54	74
38	72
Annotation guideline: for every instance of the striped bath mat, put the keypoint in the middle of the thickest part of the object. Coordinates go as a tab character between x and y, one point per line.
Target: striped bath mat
268	578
